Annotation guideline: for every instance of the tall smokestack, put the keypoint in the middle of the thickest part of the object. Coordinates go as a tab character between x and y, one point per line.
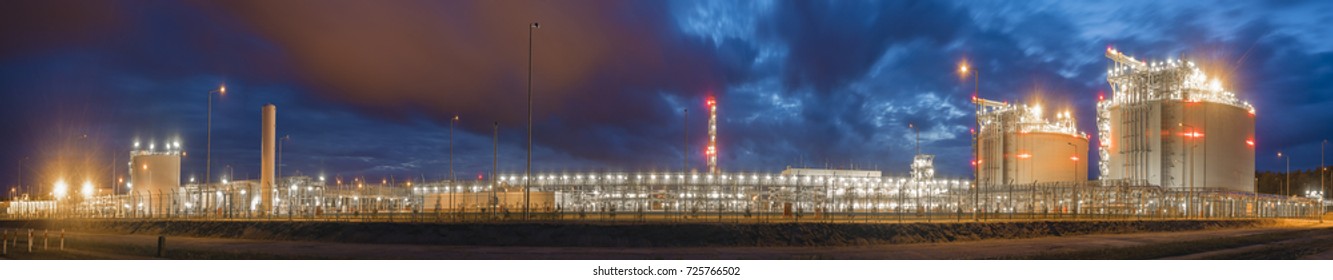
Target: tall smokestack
266	158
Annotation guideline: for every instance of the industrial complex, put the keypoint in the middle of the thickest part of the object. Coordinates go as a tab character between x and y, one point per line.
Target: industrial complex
1154	138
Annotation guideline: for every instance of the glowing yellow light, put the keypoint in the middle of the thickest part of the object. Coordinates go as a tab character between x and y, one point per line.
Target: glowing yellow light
60	188
222	89
87	189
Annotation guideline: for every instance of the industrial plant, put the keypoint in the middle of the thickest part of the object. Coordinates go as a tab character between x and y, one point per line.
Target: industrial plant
1155	134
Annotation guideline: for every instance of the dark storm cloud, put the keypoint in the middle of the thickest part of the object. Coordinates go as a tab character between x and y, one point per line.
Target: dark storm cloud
832	43
599	66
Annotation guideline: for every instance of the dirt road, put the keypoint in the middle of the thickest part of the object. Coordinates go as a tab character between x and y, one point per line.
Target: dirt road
1290	240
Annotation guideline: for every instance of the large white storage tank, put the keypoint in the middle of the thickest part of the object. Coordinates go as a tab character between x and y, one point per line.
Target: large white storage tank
1170	125
156	175
1018	145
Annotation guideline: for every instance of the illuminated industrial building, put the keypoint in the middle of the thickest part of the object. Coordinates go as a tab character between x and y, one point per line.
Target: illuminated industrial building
1169	124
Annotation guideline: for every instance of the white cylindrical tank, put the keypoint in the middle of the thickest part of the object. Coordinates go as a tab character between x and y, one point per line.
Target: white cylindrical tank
268	142
1042	157
1017	145
1169	124
1181	144
155	177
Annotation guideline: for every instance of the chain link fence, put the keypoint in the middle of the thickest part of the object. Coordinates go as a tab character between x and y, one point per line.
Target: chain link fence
675	197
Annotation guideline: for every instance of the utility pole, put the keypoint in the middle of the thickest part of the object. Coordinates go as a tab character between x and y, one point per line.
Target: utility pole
455	119
1078	201
114	186
976	148
1286	186
527	184
20	186
208	156
495	165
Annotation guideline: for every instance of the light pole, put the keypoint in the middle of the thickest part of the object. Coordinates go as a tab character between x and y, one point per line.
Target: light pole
208	161
495	166
1322	169
976	151
21	164
115	186
1078	201
527	178
685	126
451	148
1286	186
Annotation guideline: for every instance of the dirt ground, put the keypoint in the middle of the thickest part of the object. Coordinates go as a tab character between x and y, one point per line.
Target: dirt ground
1290	239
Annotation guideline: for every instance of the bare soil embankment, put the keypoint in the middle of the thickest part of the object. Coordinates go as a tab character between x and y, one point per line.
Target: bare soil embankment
628	235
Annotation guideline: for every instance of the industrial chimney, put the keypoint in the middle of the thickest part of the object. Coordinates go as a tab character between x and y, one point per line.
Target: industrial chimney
266	158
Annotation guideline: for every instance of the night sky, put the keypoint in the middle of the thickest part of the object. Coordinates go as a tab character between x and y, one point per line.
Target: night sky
367	88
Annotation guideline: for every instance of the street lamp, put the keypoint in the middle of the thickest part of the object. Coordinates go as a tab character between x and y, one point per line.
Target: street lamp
451	148
1286	188
22	163
1073	157
964	70
495	167
208	161
527	184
